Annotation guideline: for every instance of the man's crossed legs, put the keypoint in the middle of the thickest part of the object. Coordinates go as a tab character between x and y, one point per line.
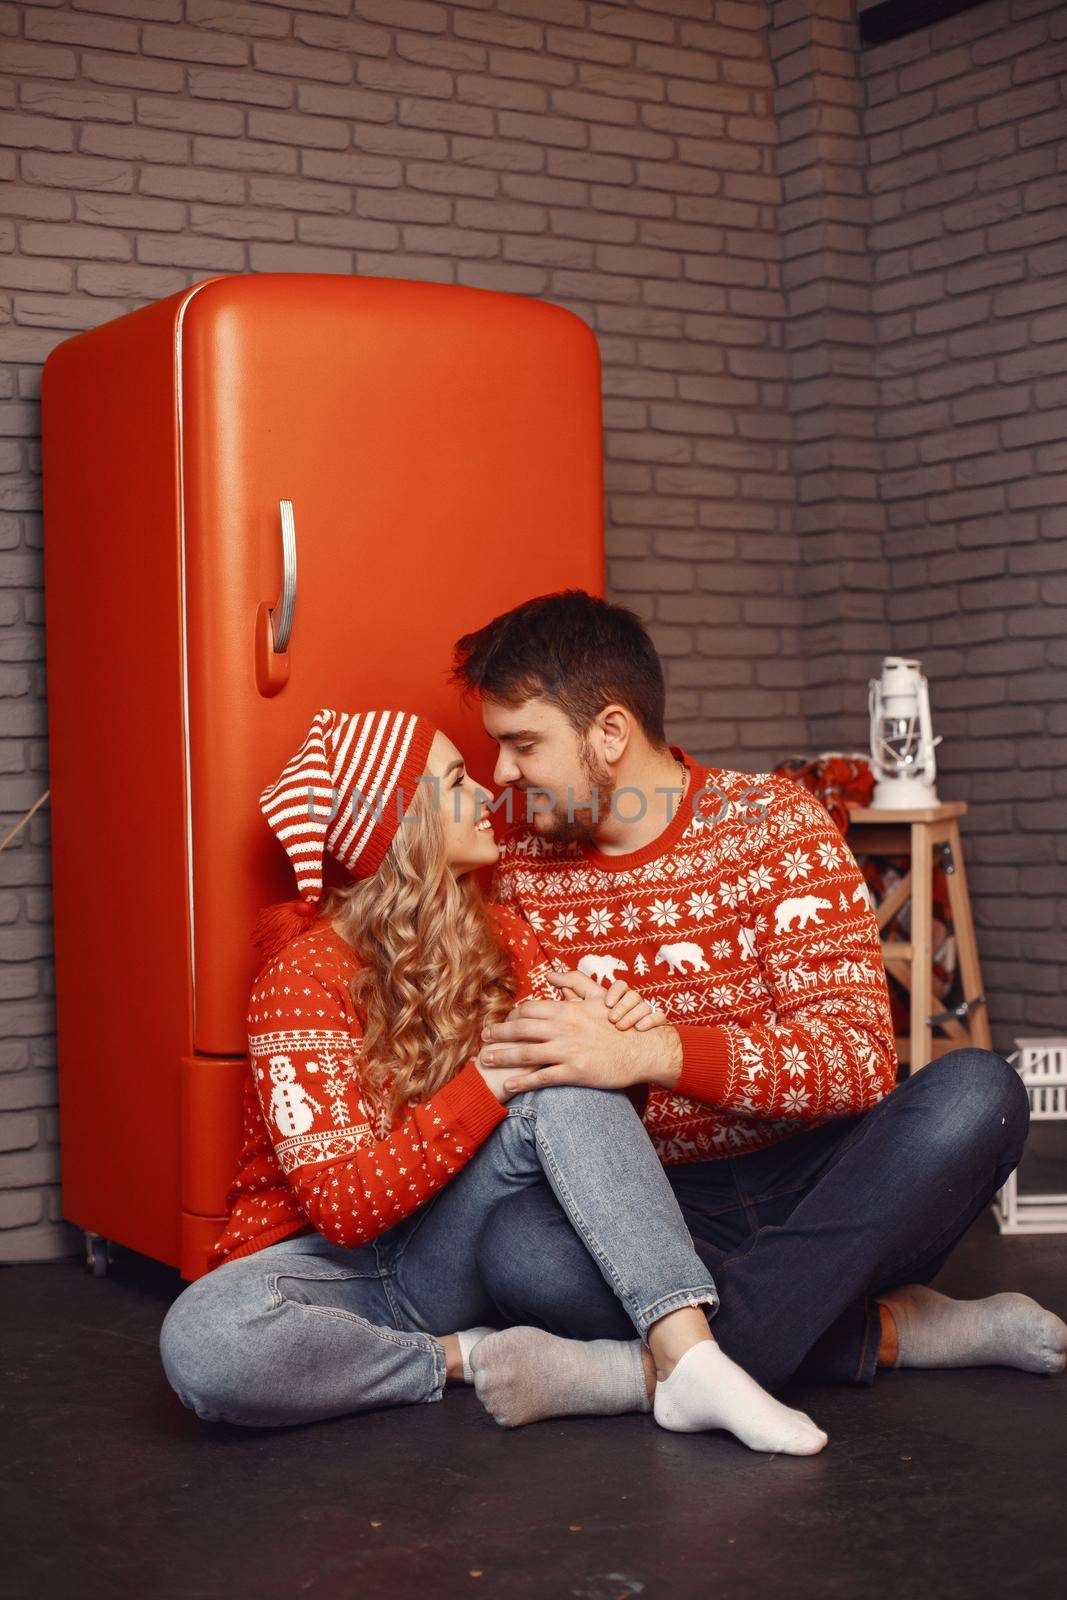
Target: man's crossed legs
805	1240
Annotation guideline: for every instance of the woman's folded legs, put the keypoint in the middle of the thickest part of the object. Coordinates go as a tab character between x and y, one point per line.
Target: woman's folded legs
297	1332
306	1329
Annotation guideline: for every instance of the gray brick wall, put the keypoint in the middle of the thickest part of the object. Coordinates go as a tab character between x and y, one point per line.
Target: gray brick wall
967	176
706	183
841	573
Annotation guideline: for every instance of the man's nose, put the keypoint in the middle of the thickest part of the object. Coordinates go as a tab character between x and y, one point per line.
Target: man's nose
505	771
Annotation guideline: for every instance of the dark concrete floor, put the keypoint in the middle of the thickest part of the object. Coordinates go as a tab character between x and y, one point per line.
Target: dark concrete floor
933	1483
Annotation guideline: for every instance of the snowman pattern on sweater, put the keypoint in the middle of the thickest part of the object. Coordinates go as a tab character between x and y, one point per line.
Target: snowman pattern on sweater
292	1108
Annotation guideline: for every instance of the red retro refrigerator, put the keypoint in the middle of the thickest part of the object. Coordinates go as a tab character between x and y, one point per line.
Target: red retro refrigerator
262	495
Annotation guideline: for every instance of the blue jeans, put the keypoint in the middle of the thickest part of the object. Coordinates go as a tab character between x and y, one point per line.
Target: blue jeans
306	1329
801	1236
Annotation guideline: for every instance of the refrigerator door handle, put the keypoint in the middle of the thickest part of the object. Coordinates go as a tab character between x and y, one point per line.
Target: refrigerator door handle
286	606
274	624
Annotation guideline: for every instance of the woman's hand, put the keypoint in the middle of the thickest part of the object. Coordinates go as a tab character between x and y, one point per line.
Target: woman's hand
626	1009
624	1006
494	1077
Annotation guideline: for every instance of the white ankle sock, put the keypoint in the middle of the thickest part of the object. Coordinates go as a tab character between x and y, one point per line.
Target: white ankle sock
467	1340
708	1390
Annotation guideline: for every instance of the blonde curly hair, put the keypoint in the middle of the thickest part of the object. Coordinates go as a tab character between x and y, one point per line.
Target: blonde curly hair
432	971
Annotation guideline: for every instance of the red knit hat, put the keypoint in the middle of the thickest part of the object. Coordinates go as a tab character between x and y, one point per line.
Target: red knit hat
344	793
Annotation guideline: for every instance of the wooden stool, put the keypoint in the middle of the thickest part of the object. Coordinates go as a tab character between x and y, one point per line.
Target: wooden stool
920	834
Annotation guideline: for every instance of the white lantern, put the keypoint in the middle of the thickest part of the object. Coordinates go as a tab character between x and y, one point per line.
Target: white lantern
902	745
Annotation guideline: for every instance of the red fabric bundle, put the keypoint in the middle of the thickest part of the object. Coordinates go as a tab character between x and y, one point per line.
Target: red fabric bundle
839	781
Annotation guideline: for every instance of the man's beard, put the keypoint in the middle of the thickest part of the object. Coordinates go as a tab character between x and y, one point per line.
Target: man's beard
561	828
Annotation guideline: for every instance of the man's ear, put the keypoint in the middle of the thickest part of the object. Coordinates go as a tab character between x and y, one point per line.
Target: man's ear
616	726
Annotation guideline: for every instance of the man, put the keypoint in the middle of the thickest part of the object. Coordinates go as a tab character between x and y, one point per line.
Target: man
823	1195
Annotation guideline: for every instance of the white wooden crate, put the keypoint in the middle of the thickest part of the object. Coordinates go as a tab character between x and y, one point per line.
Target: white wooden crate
1042	1065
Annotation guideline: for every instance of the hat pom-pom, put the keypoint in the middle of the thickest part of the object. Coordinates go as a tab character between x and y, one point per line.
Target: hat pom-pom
276	925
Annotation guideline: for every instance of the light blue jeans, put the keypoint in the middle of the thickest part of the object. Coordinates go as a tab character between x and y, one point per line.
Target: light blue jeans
306	1329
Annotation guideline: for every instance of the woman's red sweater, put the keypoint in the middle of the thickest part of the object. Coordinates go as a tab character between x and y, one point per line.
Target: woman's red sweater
313	1156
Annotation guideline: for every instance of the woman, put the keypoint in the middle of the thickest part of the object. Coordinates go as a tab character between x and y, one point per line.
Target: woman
375	1143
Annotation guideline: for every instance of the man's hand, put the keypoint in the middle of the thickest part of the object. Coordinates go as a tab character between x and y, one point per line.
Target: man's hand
578	1043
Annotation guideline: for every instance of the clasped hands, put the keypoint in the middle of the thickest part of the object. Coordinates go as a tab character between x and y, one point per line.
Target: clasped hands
605	1039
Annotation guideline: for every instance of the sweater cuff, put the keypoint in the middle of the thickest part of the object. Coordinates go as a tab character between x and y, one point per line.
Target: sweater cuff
467	1101
705	1062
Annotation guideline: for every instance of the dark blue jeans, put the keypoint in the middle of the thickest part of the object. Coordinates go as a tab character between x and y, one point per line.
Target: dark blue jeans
800	1237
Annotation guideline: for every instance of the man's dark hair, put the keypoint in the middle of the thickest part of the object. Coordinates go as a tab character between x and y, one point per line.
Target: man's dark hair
573	649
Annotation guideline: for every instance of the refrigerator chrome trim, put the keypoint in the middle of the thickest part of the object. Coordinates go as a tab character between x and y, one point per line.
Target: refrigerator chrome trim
193	292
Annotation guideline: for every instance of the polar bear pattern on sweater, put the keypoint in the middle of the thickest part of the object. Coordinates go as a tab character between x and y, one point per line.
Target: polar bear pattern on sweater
676	956
602	968
801	910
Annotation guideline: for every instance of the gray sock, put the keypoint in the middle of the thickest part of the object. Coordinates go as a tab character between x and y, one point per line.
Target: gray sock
525	1374
1007	1330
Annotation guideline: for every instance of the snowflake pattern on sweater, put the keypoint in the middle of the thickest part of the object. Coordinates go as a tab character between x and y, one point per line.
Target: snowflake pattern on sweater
312	1157
747	924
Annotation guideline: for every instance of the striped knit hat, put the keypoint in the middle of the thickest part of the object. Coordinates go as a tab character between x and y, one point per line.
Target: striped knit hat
344	793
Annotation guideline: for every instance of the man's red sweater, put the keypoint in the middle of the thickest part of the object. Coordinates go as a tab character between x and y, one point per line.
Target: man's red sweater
747	924
313	1157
